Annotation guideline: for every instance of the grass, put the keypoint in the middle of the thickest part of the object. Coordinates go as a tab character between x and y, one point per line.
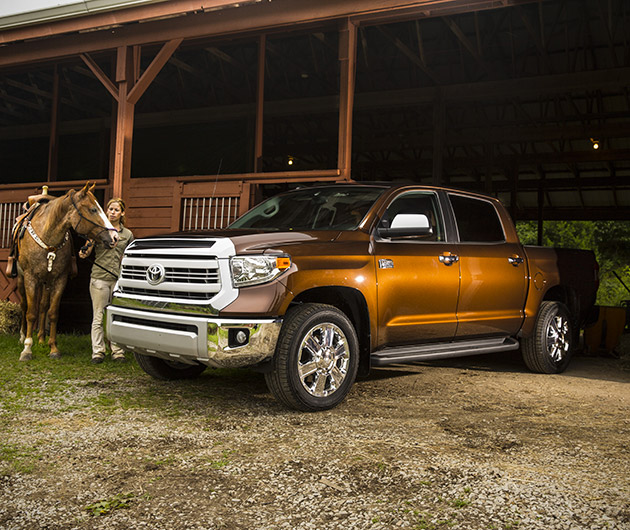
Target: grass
49	394
15	458
107	506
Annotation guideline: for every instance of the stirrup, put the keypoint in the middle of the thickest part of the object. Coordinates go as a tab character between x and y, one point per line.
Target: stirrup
11	270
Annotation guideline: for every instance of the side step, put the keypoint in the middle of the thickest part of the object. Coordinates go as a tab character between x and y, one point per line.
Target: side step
442	350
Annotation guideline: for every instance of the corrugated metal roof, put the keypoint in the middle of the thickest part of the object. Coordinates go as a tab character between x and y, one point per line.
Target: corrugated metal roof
29	12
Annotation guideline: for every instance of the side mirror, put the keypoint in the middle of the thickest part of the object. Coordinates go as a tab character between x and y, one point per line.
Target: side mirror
406	224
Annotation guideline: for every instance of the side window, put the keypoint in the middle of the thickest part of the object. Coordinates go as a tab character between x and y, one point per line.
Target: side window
417	202
477	220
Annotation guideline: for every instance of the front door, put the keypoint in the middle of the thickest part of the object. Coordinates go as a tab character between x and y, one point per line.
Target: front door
417	281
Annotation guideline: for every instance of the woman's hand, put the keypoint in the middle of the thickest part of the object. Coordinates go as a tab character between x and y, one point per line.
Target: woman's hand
86	249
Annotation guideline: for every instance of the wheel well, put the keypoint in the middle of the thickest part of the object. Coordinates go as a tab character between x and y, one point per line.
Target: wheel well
352	303
567	296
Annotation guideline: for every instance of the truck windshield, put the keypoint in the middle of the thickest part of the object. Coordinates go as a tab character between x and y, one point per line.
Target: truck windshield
321	208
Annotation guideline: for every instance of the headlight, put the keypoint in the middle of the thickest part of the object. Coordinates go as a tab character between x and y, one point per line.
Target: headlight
252	270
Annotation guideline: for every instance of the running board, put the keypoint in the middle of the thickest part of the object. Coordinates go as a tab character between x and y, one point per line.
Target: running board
442	350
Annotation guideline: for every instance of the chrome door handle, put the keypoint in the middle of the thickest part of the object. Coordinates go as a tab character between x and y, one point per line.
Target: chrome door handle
449	259
515	260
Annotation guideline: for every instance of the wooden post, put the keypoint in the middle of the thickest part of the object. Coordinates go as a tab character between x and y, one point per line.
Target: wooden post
347	60
53	144
124	124
260	101
127	89
439	126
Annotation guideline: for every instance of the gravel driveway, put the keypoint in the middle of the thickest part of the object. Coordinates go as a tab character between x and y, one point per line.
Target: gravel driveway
476	443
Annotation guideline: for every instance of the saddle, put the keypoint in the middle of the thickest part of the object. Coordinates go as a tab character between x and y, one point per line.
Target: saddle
19	228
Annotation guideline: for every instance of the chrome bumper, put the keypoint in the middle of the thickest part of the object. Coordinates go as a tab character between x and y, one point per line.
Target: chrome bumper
210	341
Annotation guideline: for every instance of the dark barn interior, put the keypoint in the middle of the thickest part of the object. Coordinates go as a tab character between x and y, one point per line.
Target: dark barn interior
527	101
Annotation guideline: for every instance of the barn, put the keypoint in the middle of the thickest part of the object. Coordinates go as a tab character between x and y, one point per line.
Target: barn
192	111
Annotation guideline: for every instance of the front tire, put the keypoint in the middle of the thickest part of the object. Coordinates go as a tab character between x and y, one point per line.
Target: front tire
168	370
316	359
550	348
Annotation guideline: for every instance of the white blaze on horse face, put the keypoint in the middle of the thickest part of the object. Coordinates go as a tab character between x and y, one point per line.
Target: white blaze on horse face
111	231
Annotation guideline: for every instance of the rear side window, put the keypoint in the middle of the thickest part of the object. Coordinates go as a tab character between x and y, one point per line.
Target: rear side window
477	220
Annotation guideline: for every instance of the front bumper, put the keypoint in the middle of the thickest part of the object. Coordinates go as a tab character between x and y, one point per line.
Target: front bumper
209	341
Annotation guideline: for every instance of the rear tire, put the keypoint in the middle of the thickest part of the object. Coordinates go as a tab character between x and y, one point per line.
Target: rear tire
316	359
550	348
168	370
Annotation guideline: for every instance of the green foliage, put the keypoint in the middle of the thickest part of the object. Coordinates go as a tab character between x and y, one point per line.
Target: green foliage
460	503
223	461
118	501
10	316
16	459
610	240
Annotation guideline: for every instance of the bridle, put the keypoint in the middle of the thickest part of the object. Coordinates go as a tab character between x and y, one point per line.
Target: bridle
83	218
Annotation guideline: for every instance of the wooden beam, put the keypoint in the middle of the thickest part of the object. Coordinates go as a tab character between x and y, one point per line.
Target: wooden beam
260	101
452	25
53	143
256	17
153	70
100	75
125	69
416	59
347	59
439	130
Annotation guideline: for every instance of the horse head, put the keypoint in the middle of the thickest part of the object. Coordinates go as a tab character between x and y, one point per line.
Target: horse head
89	219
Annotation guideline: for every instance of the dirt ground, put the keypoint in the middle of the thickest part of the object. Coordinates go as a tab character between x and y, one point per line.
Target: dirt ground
474	443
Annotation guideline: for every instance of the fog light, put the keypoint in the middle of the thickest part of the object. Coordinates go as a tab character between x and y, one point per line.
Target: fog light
238	337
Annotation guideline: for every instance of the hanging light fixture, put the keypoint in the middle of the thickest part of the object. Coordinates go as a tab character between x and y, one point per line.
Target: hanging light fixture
595	143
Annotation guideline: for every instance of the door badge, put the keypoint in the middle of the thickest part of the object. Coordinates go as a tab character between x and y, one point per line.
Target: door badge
385	264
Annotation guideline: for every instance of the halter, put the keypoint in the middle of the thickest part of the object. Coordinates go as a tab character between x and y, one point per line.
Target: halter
83	218
52	251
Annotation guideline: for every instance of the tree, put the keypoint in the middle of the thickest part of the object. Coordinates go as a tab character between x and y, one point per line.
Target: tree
610	240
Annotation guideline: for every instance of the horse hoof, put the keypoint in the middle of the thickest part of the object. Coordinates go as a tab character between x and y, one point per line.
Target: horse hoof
26	357
55	355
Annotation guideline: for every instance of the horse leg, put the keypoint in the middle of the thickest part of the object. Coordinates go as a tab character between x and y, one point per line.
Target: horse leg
54	300
32	295
20	285
43	310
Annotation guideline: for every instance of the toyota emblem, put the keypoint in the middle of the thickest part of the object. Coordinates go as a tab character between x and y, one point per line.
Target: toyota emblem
155	274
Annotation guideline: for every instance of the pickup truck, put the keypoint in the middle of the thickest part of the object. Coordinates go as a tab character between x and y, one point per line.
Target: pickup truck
315	286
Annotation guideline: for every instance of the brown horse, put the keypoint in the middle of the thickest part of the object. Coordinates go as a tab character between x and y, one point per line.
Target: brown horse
44	258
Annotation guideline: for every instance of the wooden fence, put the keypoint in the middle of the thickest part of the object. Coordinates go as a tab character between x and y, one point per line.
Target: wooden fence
158	205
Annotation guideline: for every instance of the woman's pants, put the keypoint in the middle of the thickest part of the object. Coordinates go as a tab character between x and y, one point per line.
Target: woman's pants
101	294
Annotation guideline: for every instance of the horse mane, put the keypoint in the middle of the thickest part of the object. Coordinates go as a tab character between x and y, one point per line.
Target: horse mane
54	211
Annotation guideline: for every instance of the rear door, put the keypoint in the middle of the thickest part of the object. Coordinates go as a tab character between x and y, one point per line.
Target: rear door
417	282
493	271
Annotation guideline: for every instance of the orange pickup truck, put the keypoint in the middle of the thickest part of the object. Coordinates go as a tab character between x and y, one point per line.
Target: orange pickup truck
315	286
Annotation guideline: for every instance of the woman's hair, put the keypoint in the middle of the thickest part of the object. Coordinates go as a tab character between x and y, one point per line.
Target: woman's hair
121	203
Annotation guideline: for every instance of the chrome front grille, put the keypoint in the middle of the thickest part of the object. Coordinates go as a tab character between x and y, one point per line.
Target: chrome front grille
172	274
170	295
188	270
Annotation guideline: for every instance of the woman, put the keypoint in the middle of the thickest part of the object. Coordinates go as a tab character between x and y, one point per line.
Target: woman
105	272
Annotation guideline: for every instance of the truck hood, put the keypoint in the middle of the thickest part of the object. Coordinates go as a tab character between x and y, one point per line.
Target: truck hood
251	241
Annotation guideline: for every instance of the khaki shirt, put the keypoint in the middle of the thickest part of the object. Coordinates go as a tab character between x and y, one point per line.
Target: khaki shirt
110	258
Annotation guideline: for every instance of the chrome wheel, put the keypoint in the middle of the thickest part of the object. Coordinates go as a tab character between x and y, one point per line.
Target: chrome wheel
549	348
323	360
316	359
558	338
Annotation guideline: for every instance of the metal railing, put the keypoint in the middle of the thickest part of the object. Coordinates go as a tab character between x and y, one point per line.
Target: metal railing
8	212
206	213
